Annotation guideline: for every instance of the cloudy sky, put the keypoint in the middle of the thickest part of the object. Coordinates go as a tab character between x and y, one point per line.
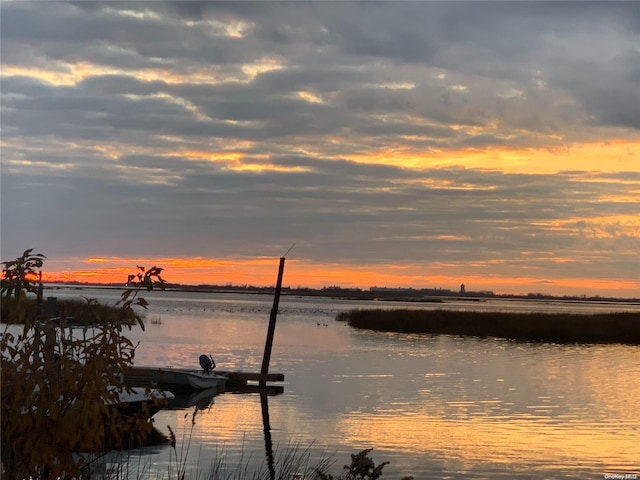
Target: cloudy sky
417	144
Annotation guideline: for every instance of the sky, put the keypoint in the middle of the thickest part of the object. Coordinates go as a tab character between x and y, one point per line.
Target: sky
396	144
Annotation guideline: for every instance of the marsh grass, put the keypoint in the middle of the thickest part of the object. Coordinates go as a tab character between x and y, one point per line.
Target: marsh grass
82	310
544	327
293	462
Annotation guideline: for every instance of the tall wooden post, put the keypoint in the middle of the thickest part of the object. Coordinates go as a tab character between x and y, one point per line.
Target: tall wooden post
272	324
39	296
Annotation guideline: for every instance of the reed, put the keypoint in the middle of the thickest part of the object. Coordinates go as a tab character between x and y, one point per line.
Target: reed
293	462
82	310
543	327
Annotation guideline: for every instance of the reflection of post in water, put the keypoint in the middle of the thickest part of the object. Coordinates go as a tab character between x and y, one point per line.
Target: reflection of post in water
268	445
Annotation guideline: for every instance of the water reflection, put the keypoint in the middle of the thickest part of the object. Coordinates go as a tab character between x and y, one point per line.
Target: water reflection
266	428
437	407
487	405
489	442
484	404
200	399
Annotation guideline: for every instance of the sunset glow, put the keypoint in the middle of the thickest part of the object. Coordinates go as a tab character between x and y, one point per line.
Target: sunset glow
454	188
610	156
262	272
391	150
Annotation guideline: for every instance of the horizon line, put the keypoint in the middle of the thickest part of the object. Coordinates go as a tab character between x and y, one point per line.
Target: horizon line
372	289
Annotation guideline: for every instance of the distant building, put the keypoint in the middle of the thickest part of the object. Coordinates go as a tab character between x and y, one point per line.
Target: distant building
462	289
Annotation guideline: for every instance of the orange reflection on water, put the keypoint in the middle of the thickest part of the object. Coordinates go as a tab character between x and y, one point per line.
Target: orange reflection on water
475	442
223	418
588	417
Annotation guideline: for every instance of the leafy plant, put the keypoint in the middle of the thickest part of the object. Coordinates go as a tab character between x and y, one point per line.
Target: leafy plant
22	274
60	392
362	467
19	277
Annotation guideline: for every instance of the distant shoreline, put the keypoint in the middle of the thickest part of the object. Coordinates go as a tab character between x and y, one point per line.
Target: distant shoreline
429	295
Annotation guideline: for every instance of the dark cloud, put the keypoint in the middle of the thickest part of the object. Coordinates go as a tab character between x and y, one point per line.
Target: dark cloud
213	127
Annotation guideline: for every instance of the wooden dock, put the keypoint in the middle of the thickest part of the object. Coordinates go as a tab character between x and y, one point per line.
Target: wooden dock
148	376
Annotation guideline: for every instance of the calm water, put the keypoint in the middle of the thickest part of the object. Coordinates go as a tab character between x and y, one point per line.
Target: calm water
435	407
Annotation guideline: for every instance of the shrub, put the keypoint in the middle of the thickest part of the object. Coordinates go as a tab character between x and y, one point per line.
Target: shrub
58	395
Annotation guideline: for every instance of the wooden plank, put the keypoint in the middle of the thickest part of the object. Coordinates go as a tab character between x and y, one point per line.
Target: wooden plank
140	376
271	390
244	377
144	376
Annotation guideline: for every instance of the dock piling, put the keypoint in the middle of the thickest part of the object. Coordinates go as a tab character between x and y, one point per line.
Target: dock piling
272	323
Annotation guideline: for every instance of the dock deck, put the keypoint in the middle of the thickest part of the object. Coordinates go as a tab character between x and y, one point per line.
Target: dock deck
147	376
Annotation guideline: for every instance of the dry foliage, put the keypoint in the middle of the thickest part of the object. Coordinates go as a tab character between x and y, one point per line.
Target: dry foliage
60	390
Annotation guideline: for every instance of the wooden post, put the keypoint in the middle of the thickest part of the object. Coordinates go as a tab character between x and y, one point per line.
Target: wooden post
272	323
52	307
39	296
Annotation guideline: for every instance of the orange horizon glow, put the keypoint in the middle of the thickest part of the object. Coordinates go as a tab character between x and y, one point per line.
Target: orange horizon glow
262	272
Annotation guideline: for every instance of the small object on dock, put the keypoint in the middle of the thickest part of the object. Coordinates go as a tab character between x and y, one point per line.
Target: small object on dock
207	363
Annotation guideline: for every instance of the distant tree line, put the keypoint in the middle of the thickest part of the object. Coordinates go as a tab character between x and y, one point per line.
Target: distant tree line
372	293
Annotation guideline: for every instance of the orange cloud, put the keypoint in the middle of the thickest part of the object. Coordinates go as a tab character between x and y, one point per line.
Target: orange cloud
262	271
615	155
239	161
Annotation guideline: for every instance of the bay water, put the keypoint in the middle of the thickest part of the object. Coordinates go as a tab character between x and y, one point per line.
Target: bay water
433	406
